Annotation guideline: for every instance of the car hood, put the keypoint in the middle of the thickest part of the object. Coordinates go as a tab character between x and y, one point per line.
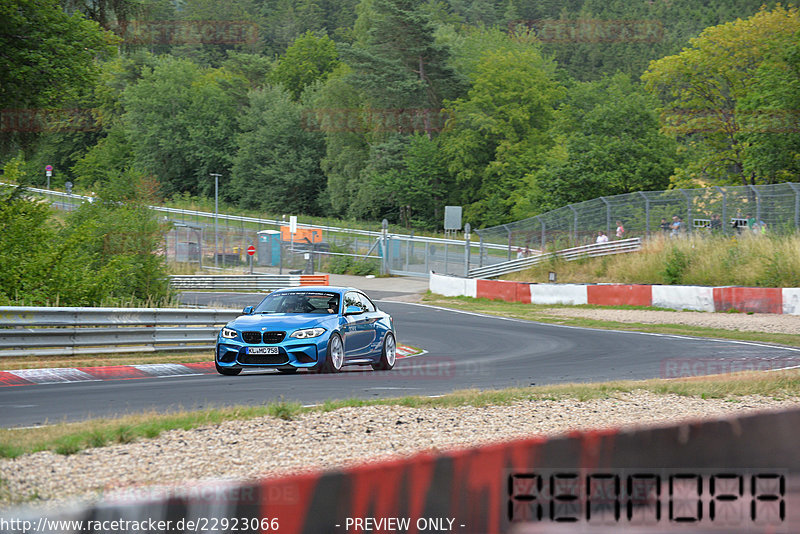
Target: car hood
279	321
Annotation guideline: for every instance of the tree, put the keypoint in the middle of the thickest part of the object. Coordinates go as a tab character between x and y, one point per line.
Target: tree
610	144
276	168
500	131
702	86
182	121
308	59
48	57
398	64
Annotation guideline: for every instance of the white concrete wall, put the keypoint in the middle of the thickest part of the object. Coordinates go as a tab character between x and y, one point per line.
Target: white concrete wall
558	294
698	298
450	286
791	300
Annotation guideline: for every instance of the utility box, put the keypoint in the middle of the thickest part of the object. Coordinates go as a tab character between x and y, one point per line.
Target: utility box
269	248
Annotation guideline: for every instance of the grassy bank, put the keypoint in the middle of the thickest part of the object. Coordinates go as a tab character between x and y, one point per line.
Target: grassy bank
69	438
747	260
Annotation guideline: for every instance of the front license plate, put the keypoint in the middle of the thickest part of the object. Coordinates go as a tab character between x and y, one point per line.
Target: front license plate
262	350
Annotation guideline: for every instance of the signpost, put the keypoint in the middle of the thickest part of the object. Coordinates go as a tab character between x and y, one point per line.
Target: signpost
48	170
251	251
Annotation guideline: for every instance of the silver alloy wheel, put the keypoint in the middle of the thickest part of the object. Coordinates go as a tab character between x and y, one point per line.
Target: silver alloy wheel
336	353
391	350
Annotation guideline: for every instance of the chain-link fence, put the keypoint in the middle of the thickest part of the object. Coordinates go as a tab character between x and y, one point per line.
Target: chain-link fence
723	210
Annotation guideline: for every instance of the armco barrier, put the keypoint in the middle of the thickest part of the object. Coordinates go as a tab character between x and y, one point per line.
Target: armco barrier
493	489
700	298
748	299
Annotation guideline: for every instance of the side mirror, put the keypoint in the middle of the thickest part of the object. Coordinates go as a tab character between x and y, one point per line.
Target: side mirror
353	310
248	310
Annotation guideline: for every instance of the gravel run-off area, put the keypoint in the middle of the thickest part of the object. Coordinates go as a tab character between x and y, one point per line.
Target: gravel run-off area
758	322
270	446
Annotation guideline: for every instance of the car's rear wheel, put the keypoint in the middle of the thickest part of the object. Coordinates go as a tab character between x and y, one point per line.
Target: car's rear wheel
388	354
334	358
227	371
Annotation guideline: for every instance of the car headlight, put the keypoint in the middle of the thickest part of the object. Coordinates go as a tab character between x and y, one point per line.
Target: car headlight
228	333
308	332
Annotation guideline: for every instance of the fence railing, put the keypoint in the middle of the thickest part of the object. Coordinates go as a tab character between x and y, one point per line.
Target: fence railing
61	331
595	249
643	213
253	282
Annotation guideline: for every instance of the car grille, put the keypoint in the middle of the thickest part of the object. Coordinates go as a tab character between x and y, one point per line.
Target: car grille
274	337
251	337
268	359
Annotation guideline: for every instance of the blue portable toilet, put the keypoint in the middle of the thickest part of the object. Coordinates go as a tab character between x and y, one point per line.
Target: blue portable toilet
269	248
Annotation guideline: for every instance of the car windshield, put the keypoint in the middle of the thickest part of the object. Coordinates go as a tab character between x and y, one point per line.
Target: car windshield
319	302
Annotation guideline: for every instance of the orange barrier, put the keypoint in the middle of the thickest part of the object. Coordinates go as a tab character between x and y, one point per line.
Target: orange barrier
504	290
748	299
314	280
620	295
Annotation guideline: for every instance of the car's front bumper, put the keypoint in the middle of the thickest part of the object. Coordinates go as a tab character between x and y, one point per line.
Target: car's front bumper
291	353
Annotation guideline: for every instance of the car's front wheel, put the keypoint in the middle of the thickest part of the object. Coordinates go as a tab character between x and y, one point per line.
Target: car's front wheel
334	358
227	371
388	354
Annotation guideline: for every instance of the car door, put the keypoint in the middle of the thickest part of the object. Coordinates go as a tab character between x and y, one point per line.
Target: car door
358	332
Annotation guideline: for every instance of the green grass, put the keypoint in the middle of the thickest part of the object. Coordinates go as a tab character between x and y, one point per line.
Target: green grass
747	260
70	438
539	313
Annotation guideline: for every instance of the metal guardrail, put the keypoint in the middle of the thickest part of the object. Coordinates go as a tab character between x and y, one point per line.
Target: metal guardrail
57	331
253	282
569	254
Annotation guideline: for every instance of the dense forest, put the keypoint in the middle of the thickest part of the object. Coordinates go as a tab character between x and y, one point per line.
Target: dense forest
393	109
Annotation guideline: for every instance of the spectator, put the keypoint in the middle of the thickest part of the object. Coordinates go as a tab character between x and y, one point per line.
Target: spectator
601	237
665	226
519	252
620	230
752	224
716	223
677	226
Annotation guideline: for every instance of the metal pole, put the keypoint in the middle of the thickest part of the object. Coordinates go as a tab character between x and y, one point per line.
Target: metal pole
509	241
384	232
216	215
688	211
480	252
796	205
543	233
758	203
724	209
574	225
608	215
467	228
646	214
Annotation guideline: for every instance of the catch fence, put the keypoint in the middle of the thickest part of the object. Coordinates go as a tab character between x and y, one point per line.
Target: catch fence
776	208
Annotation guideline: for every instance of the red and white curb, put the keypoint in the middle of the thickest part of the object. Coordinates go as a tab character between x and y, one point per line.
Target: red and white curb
29	377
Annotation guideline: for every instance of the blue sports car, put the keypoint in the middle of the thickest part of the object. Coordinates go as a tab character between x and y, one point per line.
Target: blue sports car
316	328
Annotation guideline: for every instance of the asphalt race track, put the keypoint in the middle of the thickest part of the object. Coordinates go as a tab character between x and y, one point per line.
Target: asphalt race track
463	351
